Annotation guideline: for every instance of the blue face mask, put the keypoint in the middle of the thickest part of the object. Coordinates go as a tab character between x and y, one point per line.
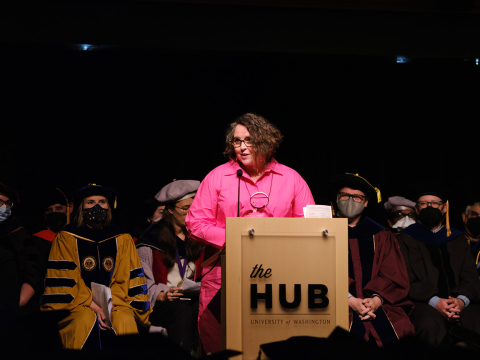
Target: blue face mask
5	212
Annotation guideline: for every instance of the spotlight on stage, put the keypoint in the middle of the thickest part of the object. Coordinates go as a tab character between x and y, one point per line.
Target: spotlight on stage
86	47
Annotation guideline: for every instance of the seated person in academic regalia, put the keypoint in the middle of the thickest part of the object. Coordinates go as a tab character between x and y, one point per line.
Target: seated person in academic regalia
471	219
401	213
92	249
56	211
22	256
378	284
444	284
170	260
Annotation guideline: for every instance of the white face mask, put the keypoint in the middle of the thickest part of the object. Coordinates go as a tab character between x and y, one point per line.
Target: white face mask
403	223
4	213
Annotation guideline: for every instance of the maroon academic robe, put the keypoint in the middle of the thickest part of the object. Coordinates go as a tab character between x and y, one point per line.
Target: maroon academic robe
376	266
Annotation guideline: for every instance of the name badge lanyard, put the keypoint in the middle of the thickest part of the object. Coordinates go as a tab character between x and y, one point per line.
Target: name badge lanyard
181	268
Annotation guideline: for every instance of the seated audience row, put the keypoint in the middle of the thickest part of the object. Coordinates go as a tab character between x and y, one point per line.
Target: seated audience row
416	276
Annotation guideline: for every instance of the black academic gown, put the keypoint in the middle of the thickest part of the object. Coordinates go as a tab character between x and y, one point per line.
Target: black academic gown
21	260
443	266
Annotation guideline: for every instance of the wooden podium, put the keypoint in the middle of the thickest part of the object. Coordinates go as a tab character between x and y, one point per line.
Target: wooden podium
283	277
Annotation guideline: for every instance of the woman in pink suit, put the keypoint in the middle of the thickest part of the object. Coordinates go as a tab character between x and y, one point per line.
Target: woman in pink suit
267	189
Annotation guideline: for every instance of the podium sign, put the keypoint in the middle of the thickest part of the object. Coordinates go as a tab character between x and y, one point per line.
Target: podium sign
283	277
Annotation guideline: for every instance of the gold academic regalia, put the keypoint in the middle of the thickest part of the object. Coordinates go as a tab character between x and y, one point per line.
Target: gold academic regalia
75	261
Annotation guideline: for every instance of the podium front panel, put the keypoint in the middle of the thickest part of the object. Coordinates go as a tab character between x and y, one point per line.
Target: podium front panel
287	279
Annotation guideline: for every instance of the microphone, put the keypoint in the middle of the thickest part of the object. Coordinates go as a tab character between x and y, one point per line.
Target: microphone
239	175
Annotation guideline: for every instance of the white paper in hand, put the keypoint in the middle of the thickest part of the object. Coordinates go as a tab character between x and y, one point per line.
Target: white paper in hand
190	288
102	296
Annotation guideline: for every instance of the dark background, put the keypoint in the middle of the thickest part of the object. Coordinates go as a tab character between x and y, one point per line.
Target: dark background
150	101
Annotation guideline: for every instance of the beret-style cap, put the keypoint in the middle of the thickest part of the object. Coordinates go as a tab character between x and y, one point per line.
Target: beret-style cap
398	201
178	190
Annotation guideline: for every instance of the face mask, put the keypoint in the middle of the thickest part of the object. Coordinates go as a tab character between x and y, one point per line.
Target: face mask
56	220
430	216
5	212
96	214
349	208
403	223
473	225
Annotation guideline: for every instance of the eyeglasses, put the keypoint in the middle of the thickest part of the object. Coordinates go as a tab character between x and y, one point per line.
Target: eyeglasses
8	203
400	215
345	196
237	142
184	209
434	204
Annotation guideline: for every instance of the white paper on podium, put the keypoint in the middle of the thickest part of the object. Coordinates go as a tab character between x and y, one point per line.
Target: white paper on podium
102	296
317	211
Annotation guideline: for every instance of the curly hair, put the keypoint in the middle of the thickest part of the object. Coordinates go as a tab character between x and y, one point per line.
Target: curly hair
266	138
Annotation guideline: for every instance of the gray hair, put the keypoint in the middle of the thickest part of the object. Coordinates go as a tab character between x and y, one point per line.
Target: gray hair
467	209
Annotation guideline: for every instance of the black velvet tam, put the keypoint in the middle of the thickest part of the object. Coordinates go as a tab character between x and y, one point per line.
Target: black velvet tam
92	190
429	188
356	182
51	197
9	192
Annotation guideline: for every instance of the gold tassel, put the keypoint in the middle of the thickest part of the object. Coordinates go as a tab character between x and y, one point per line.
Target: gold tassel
333	211
448	220
377	190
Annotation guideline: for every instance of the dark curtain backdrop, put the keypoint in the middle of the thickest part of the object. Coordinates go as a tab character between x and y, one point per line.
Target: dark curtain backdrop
135	119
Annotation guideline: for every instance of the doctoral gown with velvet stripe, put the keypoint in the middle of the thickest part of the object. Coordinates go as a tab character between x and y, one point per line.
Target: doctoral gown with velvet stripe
437	264
376	266
80	256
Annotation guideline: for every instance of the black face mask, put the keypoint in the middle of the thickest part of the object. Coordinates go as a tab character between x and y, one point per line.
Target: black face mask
473	225
96	214
56	220
430	216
